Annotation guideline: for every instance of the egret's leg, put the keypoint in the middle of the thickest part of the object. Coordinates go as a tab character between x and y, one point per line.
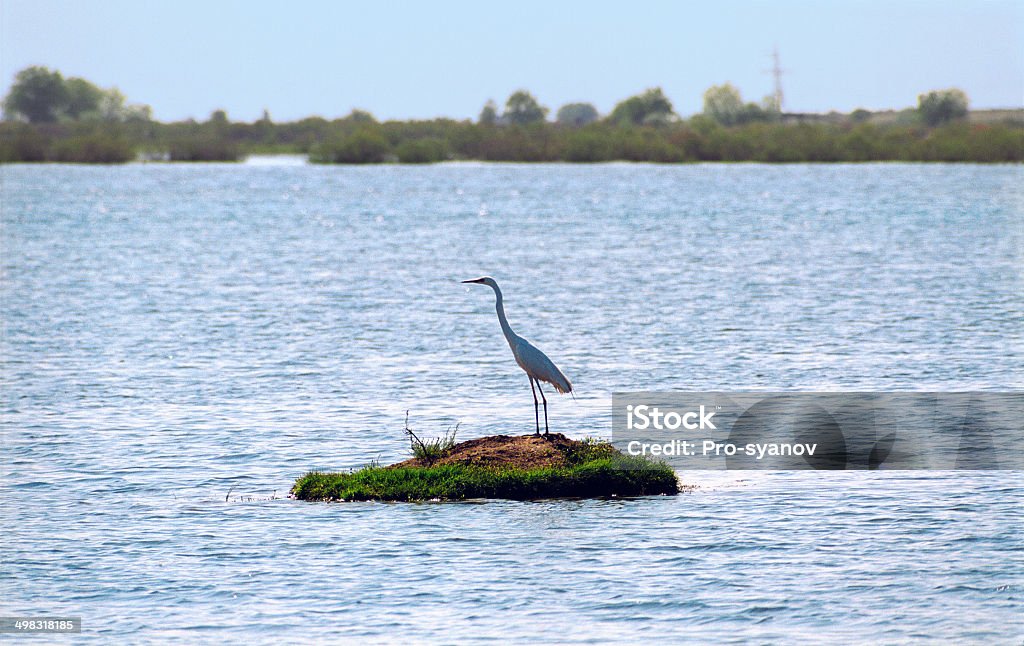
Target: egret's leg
536	407
545	410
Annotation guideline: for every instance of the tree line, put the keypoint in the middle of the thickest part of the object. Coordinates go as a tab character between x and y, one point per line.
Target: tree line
51	118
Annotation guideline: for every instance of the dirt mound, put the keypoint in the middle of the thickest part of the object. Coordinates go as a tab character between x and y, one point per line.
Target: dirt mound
521	451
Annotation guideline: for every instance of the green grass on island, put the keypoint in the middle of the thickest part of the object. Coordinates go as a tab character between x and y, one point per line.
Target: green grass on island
517	468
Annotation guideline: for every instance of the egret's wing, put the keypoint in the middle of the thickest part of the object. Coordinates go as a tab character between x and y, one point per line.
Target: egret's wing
537	365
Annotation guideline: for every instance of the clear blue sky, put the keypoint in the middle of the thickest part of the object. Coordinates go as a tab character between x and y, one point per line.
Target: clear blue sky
401	60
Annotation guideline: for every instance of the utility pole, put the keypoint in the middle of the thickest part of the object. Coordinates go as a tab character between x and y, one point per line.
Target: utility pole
777	75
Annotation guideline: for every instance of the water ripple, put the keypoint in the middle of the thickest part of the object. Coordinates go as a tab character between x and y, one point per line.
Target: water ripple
180	342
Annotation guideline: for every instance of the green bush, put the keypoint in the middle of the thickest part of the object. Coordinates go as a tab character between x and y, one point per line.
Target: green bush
365	146
942	106
22	143
422	151
588	146
431	449
997	143
97	148
535	143
204	148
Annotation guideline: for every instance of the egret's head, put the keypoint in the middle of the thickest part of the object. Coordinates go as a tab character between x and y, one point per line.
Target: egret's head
483	280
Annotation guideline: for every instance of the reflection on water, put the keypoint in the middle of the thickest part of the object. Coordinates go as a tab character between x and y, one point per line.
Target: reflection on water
175	335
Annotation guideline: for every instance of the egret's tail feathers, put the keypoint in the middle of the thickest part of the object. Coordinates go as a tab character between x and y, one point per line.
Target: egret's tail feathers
563	385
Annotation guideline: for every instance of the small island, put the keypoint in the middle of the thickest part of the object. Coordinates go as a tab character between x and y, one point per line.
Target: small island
526	467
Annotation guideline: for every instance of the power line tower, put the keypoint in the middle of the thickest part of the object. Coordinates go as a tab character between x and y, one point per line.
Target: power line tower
777	75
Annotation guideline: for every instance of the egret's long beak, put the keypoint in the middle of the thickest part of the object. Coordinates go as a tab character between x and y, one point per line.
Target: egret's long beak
475	280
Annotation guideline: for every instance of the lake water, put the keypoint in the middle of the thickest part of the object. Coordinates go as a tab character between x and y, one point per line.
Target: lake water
180	342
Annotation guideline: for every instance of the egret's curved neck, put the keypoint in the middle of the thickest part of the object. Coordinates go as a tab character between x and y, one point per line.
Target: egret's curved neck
499	305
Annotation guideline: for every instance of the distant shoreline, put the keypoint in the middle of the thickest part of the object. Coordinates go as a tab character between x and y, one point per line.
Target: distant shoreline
52	119
981	137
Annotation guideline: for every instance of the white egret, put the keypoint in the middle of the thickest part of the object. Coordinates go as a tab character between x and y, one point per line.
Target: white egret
534	362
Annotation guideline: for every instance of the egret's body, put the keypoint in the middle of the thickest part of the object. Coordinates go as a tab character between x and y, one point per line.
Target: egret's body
534	363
